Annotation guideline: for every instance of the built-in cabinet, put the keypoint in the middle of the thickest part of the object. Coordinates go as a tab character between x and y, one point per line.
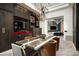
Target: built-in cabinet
6	19
22	12
7	7
10	13
21	24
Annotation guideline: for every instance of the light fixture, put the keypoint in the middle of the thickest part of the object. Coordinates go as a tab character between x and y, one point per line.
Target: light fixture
43	10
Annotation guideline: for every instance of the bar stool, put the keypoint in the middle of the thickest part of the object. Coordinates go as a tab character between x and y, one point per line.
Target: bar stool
58	41
49	49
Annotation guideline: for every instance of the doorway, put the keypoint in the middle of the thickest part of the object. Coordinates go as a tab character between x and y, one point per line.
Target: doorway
56	24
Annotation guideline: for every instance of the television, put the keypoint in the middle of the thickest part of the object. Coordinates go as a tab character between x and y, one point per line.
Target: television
52	27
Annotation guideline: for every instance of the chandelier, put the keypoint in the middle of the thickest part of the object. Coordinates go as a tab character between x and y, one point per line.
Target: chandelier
43	10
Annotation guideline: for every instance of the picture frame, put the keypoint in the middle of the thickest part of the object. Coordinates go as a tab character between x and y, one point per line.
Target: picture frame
32	19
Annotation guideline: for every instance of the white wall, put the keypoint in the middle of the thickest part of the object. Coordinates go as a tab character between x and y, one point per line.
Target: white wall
43	25
68	20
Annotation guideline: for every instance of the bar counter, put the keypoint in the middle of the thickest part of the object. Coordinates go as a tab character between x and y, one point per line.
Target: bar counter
35	43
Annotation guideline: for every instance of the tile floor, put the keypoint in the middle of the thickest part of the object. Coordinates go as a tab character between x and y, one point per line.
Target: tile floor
7	53
66	49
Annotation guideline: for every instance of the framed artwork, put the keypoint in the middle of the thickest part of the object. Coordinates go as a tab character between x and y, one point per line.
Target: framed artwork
32	19
37	23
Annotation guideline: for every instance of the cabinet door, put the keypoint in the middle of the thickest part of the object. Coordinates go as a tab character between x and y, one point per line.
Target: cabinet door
6	19
1	26
9	24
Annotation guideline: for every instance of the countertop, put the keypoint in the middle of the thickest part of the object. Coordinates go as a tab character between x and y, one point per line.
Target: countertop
37	43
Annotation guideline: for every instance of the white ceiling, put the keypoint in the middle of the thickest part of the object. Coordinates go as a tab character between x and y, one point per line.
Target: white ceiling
47	5
50	4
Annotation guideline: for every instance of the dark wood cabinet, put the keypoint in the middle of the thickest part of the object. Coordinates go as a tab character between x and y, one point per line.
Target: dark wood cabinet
76	25
22	12
9	13
6	25
20	24
7	6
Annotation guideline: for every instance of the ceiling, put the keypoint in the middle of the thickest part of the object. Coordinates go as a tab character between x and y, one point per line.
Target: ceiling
47	5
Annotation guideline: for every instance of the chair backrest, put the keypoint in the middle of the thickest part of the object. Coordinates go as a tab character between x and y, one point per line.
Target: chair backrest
17	50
